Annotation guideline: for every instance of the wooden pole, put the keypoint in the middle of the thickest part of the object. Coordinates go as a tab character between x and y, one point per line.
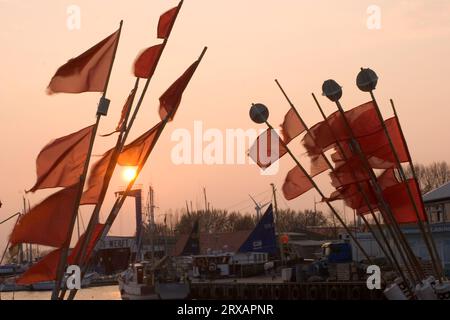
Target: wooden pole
408	189
378	192
315	186
65	249
124	135
394	258
427	233
330	166
120	200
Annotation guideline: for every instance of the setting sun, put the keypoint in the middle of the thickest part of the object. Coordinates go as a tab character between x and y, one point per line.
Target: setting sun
129	173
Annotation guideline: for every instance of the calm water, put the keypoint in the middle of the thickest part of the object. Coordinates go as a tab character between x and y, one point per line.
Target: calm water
99	293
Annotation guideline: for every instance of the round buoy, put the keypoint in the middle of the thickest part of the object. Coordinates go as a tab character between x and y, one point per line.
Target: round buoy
367	80
332	90
259	113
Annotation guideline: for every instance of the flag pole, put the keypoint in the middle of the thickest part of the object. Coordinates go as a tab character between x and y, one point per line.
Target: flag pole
333	91
65	249
120	200
413	171
330	166
367	81
124	135
369	205
96	213
147	83
262	117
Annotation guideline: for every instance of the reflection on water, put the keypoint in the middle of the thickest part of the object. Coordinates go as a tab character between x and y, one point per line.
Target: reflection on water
99	293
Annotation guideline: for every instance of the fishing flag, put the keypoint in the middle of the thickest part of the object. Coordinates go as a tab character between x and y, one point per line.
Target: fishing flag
296	184
363	120
171	99
166	22
292	126
96	180
135	153
87	72
267	149
124	115
48	222
61	162
45	268
318	165
400	203
145	64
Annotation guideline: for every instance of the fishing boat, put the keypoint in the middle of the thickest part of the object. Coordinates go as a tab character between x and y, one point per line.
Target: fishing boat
49	285
155	279
147	281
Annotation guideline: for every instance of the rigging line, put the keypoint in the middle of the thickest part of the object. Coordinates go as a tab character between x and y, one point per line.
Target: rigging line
247	200
282	198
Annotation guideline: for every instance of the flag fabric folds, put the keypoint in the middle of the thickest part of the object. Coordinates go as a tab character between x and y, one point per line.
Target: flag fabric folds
363	120
292	126
318	165
96	179
165	23
171	99
145	64
48	222
399	201
87	72
296	184
135	153
45	269
61	162
267	149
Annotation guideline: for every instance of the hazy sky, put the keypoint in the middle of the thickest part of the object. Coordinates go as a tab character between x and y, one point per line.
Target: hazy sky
250	42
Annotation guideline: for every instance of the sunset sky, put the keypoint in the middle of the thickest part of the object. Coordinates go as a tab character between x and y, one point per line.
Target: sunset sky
251	42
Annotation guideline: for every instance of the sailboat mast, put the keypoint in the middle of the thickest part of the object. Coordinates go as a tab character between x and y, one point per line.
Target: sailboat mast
152	222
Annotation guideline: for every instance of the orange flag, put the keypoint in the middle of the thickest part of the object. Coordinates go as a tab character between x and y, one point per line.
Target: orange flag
266	151
96	179
171	99
45	269
296	184
292	126
61	162
165	23
145	64
132	155
48	222
87	72
135	153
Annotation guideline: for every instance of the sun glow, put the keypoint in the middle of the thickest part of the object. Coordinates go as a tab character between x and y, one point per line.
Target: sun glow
129	173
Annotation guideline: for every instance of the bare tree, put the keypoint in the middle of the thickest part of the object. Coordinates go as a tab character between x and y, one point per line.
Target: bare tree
431	176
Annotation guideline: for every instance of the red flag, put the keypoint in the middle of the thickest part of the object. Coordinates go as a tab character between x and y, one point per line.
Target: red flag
96	180
399	201
171	99
363	120
296	184
45	269
61	162
318	165
135	153
145	64
292	126
125	111
261	151
87	72
95	236
166	22
48	222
